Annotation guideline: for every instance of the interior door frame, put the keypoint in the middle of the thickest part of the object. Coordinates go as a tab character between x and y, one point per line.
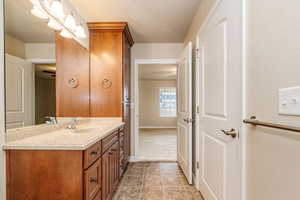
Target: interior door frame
198	82
2	105
135	103
34	62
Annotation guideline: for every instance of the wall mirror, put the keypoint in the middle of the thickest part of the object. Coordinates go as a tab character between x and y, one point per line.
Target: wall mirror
30	66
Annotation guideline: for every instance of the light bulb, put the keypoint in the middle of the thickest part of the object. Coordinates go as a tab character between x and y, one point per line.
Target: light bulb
70	22
57	9
38	13
46	3
80	32
54	25
65	34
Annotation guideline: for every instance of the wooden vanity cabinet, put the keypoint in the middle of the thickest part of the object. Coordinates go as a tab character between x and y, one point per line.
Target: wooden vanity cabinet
110	44
110	163
110	58
92	174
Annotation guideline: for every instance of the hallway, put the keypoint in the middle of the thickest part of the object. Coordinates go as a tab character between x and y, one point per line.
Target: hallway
158	144
155	181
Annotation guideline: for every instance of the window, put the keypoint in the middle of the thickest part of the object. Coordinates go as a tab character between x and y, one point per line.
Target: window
168	106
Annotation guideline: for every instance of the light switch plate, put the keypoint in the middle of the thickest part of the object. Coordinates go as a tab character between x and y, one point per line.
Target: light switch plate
289	101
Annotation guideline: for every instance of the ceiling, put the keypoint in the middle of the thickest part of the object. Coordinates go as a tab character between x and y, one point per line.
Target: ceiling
157	72
149	20
22	25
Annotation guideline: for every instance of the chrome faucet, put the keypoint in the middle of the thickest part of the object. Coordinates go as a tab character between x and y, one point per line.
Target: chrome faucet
51	121
73	124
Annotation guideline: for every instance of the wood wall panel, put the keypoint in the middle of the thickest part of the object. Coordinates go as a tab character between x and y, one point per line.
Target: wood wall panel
72	60
106	63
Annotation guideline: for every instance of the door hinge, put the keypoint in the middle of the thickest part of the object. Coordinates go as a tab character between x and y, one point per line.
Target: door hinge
197	53
198	109
191	120
198	165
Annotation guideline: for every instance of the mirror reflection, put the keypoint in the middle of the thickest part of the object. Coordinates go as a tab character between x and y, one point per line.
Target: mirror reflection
30	66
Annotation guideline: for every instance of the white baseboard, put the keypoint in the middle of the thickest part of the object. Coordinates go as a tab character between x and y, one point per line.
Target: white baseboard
157	127
133	159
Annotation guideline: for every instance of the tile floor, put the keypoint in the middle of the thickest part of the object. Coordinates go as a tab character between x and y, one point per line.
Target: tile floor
155	181
158	145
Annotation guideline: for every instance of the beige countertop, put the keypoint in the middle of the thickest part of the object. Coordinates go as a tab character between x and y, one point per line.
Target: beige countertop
87	133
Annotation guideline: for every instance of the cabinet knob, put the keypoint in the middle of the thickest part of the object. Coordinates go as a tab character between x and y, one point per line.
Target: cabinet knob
93	180
93	153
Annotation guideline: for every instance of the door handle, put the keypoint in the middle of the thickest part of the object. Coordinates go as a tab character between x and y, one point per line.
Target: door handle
231	132
188	120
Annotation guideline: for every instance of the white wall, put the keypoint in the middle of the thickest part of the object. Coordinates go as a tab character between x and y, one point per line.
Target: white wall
2	106
149	51
40	51
14	46
273	62
149	104
202	12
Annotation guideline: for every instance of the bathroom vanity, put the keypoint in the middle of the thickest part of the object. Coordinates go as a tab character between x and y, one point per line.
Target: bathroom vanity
86	163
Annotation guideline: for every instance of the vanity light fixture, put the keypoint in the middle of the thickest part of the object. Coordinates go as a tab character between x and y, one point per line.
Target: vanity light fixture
38	13
54	12
70	22
65	33
57	9
79	31
54	25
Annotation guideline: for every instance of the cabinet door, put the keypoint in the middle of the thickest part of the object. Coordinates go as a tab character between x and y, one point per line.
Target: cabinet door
106	73
106	175
72	79
92	180
114	166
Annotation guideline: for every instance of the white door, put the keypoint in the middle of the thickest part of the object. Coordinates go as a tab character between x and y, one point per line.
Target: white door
184	124
19	92
220	102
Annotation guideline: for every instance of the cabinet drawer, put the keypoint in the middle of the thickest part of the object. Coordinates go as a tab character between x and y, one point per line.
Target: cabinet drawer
109	141
92	154
92	181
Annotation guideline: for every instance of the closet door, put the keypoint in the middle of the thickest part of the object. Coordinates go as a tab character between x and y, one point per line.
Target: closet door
72	79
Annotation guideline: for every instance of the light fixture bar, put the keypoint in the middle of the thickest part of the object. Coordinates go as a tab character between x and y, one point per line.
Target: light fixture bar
61	22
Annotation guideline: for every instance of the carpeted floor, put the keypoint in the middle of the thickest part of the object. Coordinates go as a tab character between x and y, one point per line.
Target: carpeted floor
158	145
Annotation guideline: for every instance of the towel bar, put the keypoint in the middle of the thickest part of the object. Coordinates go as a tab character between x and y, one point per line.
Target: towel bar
256	122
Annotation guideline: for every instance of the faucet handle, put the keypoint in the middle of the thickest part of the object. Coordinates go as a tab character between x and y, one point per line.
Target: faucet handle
52	120
75	120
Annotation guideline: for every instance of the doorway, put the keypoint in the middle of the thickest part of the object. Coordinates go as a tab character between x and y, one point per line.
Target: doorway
155	121
45	92
158	112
